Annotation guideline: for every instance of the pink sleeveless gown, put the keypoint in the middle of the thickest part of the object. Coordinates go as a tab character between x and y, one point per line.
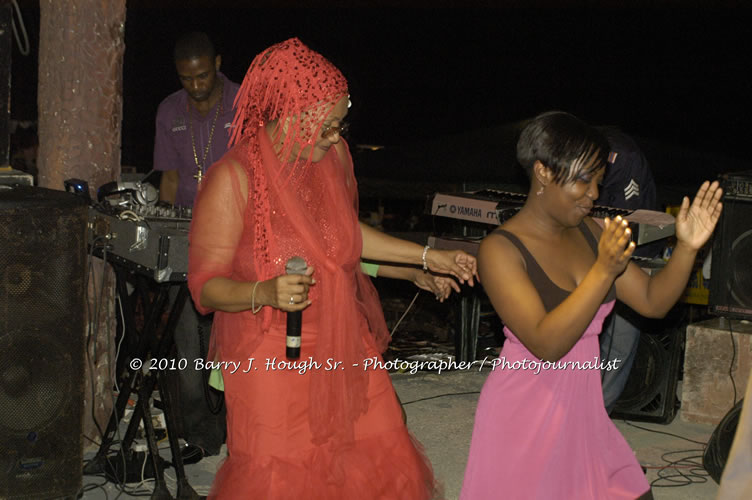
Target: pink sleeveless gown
547	436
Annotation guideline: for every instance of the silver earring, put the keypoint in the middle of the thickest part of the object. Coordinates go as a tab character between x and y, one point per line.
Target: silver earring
540	191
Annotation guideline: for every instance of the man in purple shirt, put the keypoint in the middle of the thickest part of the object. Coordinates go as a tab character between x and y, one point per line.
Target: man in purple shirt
192	132
193	124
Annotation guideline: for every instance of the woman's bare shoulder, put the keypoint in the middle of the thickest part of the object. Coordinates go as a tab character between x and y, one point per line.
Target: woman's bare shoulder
230	173
498	247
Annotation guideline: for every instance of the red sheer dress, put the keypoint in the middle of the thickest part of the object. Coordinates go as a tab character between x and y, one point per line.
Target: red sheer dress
316	431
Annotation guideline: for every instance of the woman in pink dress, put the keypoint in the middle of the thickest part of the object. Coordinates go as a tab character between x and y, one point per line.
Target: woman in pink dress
552	274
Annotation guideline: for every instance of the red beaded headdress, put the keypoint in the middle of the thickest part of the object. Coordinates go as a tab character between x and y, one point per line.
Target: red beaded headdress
287	81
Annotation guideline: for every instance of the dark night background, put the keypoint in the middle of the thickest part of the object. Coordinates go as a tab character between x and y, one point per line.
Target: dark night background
441	88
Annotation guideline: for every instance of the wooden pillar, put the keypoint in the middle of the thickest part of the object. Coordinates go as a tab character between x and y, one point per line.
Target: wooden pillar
80	103
80	90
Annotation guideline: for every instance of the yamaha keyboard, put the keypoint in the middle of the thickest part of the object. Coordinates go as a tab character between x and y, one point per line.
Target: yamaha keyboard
494	207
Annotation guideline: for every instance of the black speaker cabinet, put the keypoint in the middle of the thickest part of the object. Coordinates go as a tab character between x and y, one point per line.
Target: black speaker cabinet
650	392
6	46
42	333
731	266
719	445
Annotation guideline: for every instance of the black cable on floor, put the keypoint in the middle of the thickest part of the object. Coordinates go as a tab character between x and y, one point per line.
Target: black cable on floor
663	432
441	396
681	472
685	470
733	360
93	486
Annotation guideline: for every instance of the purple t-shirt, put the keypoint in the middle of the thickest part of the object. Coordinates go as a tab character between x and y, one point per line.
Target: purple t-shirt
173	147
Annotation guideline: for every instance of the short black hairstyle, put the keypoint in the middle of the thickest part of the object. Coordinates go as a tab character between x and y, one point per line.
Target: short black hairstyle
194	45
563	143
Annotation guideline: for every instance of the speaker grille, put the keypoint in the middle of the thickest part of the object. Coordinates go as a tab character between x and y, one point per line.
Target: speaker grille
731	274
42	280
650	392
740	284
32	389
645	389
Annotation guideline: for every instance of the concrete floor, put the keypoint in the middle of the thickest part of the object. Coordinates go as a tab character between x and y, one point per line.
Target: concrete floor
444	426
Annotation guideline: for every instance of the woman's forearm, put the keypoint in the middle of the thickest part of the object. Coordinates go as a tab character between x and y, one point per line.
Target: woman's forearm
398	272
225	294
380	246
667	286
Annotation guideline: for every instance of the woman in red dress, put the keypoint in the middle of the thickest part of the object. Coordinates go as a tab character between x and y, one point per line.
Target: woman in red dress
328	426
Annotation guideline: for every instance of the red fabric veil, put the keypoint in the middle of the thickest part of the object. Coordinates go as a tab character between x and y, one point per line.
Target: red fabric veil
254	212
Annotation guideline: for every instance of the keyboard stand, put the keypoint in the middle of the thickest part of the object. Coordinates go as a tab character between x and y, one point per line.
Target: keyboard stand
155	342
468	320
468	313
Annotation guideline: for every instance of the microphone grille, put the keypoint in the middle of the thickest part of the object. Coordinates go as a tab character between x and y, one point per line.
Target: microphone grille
296	265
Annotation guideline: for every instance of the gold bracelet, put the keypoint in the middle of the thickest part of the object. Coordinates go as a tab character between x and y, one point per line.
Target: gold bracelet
254	309
423	258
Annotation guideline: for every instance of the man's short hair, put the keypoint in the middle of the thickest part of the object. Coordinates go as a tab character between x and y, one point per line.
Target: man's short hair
194	45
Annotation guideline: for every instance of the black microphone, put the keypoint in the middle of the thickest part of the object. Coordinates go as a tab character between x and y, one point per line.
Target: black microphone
296	265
